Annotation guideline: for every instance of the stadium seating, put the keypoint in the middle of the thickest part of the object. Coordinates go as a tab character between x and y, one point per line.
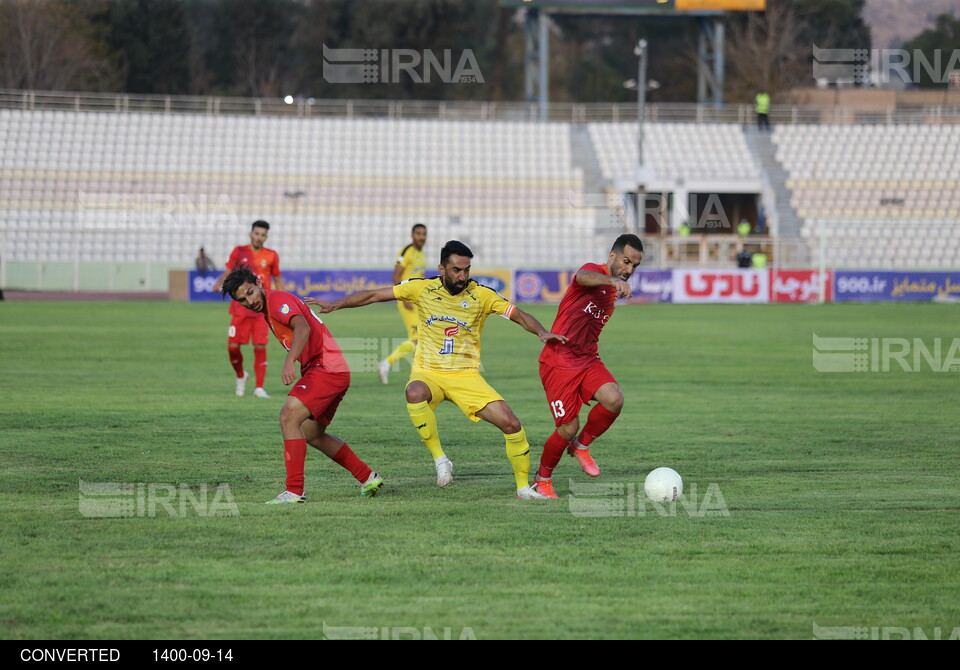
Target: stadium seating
708	157
886	196
155	187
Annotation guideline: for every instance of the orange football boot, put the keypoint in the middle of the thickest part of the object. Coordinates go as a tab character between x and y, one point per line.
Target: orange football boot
545	488
586	460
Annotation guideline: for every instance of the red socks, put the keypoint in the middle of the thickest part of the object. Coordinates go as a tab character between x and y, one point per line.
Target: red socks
294	455
345	458
598	421
552	453
259	365
236	360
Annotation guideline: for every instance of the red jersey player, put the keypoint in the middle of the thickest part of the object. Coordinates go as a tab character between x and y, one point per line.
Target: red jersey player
324	380
572	372
245	324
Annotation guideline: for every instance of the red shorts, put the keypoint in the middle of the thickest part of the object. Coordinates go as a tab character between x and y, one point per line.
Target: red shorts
569	389
321	391
242	328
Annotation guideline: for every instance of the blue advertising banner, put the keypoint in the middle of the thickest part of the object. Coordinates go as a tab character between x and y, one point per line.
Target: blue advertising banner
541	285
890	286
549	285
200	287
499	280
323	284
651	286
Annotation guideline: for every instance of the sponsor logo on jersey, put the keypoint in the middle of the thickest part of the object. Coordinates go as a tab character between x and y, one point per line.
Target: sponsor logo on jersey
451	331
448	319
285	309
595	311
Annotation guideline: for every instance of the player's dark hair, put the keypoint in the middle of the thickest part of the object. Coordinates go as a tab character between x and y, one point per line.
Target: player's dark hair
454	247
236	279
415	226
625	240
260	224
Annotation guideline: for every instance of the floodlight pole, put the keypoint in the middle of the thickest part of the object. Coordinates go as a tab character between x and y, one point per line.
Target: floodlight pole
641	52
536	59
544	57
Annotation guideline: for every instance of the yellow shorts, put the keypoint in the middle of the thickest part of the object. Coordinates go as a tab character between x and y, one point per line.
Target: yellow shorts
410	319
467	390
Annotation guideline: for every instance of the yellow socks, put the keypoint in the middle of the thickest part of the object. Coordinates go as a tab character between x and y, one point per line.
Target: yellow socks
518	449
425	421
518	453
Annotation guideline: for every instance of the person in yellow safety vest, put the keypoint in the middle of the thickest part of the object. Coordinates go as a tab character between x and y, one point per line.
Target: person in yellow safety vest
763	108
744	228
759	261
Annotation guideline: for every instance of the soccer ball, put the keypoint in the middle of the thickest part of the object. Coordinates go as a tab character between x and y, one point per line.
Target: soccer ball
663	485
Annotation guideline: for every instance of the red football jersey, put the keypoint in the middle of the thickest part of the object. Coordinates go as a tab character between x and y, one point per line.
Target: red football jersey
583	312
321	349
264	263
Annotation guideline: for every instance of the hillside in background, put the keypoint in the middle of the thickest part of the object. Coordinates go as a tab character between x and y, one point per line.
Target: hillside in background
893	22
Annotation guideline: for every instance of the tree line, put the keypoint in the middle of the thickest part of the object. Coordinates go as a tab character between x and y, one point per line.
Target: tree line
274	48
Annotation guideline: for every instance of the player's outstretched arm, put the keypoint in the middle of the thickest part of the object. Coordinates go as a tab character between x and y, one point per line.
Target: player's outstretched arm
593	278
530	324
358	299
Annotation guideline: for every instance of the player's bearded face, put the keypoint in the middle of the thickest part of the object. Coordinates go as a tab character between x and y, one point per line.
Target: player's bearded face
622	264
251	296
455	274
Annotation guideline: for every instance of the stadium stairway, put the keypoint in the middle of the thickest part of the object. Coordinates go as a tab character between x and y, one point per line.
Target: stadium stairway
583	155
764	151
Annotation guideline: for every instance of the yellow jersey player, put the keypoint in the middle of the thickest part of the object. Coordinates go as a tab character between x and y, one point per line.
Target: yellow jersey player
411	263
451	311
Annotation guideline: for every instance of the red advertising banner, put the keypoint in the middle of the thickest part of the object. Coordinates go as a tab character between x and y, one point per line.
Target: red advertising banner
799	286
735	286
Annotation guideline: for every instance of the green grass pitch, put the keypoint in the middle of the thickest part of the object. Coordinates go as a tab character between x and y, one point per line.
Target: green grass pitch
834	497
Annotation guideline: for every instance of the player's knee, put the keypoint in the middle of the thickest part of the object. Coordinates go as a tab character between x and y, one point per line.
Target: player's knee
615	403
511	425
417	392
288	417
611	399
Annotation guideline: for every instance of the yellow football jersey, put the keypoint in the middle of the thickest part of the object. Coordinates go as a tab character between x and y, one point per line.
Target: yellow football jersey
413	261
450	325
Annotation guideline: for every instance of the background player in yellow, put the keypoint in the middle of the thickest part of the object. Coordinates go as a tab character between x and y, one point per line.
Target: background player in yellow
410	263
451	312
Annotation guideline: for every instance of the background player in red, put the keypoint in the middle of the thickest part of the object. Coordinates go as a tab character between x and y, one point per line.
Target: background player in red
572	372
314	398
244	324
